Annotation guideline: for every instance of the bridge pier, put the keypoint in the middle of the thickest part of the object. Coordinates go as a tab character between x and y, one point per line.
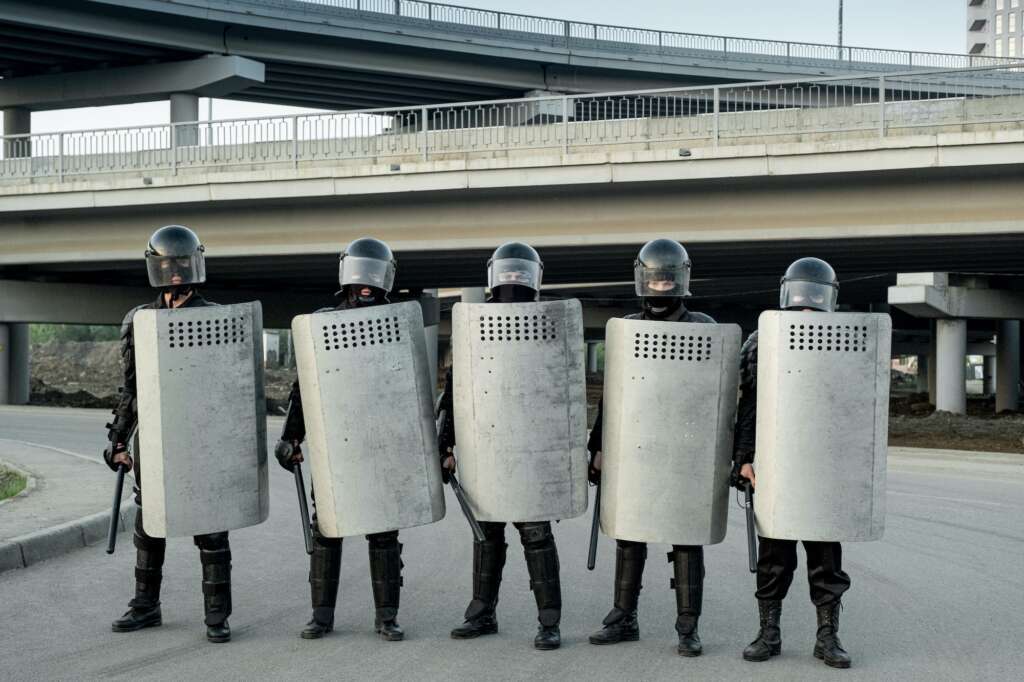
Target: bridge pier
921	383
988	384
14	364
1008	365
951	349
17	121
591	357
185	109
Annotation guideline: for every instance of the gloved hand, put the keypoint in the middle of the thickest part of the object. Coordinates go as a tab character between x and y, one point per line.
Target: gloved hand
741	473
447	465
288	454
116	455
594	471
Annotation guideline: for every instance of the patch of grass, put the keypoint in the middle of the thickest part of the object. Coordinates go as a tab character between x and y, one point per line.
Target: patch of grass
10	483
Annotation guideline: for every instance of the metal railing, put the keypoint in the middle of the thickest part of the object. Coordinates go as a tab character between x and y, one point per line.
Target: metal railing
576	34
778	110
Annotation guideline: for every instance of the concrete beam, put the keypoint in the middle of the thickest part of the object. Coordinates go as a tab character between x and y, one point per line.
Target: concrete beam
210	76
936	294
38	302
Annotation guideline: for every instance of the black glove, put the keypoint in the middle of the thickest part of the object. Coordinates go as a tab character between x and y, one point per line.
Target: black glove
735	479
110	451
445	474
593	475
284	451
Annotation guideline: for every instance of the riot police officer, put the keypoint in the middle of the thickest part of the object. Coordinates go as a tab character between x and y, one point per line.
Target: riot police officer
366	274
809	284
661	275
176	264
514	276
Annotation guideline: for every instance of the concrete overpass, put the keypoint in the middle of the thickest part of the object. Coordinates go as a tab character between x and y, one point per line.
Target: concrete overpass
928	185
347	54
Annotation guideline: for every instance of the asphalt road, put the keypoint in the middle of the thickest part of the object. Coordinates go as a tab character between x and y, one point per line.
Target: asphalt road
940	598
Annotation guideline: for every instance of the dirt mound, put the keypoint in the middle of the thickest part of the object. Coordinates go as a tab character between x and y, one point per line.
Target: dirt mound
88	374
994	433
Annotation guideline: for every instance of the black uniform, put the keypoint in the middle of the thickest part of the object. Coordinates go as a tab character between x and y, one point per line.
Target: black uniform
325	562
776	560
489	556
687	560
214	551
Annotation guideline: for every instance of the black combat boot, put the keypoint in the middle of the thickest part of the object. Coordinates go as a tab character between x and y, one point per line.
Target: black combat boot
769	637
620	624
386	576
215	555
542	565
688	565
324	569
144	609
828	648
488	562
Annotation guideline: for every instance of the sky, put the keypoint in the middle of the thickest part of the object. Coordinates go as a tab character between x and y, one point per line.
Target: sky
923	25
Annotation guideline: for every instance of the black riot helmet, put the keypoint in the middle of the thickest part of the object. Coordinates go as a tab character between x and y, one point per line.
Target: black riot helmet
514	273
809	283
367	262
174	258
661	274
662	269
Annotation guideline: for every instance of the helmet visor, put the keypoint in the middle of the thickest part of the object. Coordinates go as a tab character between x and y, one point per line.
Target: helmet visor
803	294
173	271
370	272
525	273
668	282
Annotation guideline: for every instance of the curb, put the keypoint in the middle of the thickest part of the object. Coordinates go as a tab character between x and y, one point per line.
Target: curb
24	550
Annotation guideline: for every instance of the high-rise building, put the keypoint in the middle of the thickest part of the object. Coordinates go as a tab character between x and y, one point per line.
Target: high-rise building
994	27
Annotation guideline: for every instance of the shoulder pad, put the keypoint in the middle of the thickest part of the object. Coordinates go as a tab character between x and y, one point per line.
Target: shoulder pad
750	345
633	316
692	316
126	324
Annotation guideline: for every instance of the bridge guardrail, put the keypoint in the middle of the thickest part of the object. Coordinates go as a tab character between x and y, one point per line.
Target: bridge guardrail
862	105
578	34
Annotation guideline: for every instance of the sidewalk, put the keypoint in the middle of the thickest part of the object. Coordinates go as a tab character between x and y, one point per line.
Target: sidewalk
68	506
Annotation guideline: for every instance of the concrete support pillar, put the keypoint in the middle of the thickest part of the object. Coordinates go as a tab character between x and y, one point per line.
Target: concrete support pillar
473	294
591	357
1008	365
431	321
932	363
950	379
185	109
989	375
17	121
14	364
921	385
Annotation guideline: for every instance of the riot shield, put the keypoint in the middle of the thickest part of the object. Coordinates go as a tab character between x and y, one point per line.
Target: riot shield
520	409
367	404
669	410
202	418
822	425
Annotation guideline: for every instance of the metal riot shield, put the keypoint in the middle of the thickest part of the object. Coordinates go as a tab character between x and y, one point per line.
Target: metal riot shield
202	418
368	408
520	409
822	425
669	410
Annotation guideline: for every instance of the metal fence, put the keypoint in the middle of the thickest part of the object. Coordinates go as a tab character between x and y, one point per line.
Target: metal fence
576	34
709	115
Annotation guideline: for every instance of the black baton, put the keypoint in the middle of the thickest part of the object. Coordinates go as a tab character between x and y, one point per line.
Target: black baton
748	505
478	532
300	488
115	512
594	526
460	494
